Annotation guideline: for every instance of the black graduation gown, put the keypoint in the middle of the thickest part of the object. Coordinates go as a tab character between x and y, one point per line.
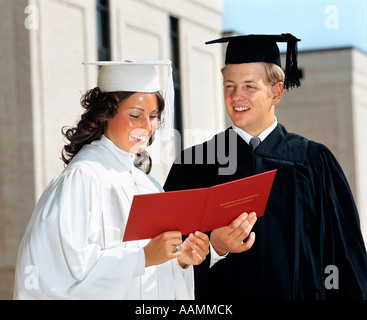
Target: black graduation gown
310	231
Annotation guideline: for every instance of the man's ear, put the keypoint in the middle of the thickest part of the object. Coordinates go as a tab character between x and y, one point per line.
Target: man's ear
278	90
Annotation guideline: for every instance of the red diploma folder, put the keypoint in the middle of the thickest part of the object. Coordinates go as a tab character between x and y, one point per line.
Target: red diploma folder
197	209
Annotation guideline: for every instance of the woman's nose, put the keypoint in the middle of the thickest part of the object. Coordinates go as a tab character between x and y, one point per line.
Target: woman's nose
147	124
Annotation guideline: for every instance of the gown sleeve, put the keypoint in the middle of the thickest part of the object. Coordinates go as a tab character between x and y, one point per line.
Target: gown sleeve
342	242
64	242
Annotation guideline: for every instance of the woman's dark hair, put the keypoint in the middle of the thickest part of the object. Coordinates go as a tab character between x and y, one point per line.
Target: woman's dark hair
99	107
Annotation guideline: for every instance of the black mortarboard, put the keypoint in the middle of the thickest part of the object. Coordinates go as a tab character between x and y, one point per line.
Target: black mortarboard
263	48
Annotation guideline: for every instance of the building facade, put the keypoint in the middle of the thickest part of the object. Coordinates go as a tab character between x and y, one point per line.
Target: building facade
43	45
330	108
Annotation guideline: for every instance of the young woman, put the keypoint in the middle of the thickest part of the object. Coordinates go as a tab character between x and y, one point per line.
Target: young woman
73	248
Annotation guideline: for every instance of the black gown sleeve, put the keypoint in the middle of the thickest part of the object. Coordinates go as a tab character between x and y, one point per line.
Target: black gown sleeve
342	245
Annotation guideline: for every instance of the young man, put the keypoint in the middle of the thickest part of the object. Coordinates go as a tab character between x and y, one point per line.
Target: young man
308	243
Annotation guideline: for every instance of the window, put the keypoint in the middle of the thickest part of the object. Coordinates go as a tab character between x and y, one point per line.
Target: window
103	32
175	54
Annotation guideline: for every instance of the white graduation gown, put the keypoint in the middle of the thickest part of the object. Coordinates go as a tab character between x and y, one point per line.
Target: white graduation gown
73	249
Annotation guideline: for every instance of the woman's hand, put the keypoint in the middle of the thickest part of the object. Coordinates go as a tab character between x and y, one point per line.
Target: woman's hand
162	248
194	249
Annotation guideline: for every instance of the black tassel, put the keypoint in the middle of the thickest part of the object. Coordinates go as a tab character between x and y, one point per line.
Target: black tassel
292	74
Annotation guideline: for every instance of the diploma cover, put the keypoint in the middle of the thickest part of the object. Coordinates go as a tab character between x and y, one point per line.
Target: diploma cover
193	210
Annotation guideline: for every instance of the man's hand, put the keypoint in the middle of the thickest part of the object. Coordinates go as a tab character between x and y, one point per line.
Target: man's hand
230	238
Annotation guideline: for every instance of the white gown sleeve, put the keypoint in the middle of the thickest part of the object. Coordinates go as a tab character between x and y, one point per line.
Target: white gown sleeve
64	243
184	281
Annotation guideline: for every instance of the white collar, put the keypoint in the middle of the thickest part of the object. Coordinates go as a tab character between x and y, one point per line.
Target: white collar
124	157
262	136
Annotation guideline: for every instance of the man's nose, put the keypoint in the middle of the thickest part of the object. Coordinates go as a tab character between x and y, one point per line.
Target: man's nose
236	94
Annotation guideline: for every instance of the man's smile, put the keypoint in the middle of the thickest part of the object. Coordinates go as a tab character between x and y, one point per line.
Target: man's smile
241	109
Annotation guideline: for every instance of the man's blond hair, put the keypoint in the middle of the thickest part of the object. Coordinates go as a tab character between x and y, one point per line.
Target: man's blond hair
274	73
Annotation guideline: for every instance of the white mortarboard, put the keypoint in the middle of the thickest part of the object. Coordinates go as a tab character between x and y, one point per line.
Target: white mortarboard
139	76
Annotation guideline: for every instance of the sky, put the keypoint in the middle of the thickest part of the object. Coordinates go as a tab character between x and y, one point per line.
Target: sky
320	24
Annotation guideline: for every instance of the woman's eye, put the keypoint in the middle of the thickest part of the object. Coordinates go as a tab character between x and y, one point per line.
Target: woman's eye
134	116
